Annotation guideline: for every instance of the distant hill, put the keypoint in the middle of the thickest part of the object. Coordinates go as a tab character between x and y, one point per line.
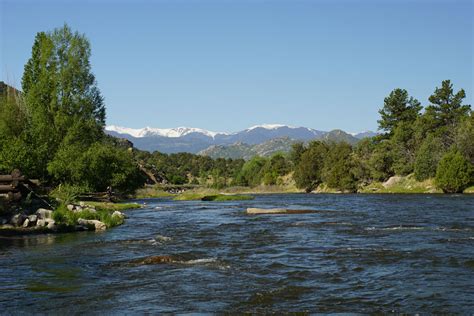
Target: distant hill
194	140
246	151
338	135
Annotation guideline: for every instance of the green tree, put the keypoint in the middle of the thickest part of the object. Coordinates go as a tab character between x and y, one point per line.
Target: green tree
338	166
464	138
381	161
308	172
398	107
60	90
454	173
447	106
427	158
404	146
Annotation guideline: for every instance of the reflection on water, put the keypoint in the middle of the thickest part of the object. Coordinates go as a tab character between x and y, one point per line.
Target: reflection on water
363	253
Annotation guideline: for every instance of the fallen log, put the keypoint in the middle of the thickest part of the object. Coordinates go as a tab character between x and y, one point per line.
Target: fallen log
255	211
6	188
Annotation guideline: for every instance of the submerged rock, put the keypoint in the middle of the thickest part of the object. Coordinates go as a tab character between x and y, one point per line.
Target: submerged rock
254	211
154	260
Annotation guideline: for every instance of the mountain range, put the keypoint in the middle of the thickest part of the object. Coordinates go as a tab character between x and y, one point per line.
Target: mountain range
260	139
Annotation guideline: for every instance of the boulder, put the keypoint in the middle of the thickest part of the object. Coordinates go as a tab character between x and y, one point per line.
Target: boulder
392	181
70	207
26	223
33	218
119	214
89	209
44	213
3	221
50	223
98	225
254	211
18	219
41	223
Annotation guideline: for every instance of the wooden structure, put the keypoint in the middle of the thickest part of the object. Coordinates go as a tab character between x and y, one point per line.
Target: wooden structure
12	185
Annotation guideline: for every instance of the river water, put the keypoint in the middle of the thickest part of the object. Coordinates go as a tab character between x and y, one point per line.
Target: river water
360	253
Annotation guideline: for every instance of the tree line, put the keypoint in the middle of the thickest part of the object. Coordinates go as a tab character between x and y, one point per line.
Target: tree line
54	131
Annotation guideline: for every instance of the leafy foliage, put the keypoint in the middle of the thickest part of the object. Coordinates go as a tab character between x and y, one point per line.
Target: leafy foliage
454	173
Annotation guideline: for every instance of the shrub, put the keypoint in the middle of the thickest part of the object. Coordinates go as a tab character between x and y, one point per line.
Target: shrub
454	173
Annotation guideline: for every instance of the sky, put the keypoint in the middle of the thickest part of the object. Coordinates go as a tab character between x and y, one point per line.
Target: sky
228	65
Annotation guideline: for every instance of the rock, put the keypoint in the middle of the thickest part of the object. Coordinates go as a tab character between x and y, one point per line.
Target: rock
82	204
78	209
89	209
44	213
3	221
254	211
18	219
41	223
51	224
92	222
33	218
392	181
70	207
26	223
154	260
119	214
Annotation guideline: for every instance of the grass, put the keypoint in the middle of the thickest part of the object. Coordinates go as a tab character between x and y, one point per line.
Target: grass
227	197
469	190
152	192
63	217
406	184
109	206
210	195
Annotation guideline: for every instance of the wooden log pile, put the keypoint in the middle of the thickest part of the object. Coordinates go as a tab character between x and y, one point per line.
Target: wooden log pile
10	185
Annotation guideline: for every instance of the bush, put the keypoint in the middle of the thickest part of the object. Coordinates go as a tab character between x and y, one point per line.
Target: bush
67	194
62	216
454	173
427	158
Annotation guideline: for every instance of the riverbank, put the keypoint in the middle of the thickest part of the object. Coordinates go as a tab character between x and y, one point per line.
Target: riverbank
80	216
394	185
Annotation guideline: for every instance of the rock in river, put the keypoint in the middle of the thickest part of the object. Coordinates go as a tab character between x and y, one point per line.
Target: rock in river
92	222
254	211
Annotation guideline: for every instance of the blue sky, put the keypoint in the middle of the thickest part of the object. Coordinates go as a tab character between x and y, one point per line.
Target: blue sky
228	65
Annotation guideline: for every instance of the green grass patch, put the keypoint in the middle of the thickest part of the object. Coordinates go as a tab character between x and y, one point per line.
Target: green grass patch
152	192
407	184
210	195
469	190
109	206
63	217
226	197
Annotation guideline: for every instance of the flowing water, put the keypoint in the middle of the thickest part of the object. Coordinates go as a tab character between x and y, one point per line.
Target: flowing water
359	253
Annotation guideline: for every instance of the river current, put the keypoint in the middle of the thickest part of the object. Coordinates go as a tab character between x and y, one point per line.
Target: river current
358	253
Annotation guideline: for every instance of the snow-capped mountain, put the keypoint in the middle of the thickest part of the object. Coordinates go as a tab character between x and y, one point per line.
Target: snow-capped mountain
186	139
165	132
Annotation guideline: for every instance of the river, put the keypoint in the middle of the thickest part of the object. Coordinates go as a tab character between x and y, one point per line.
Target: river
360	253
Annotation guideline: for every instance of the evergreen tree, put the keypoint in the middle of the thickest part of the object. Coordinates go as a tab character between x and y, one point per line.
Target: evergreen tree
338	165
398	107
454	173
427	158
308	172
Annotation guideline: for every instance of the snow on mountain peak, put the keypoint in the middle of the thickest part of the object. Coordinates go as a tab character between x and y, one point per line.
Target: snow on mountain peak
165	132
269	126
